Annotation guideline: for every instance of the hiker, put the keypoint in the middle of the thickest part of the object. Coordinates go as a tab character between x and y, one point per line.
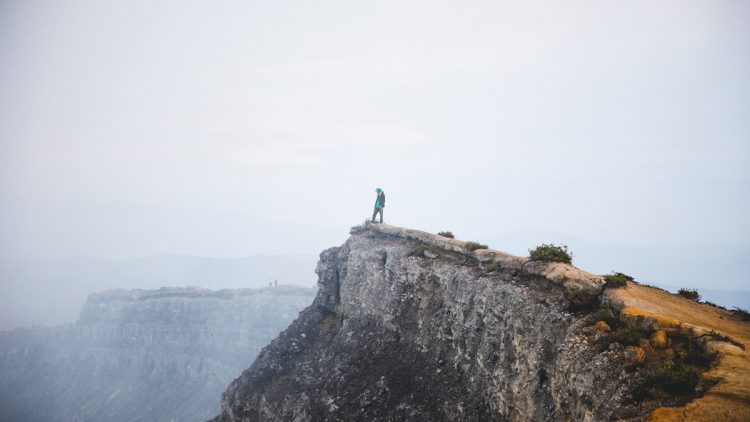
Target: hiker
379	205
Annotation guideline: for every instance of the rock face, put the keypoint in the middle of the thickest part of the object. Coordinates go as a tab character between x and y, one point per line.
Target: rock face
412	326
157	355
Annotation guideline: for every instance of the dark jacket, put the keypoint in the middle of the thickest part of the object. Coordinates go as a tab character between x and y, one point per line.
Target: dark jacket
380	201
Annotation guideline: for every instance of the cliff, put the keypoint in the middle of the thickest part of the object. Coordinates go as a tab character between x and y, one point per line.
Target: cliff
148	355
413	326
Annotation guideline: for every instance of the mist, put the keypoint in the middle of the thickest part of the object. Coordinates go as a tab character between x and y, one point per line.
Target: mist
129	130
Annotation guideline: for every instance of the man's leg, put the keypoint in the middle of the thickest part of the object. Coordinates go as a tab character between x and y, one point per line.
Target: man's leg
374	213
381	215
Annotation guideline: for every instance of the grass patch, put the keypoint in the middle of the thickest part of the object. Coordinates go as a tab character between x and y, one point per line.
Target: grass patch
721	337
446	234
616	280
706	302
691	294
743	314
551	253
472	246
653	287
492	266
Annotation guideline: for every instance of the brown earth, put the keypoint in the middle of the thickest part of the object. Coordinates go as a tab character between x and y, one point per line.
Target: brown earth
729	399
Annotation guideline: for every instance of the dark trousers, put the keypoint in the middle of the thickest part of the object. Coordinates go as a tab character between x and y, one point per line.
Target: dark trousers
374	213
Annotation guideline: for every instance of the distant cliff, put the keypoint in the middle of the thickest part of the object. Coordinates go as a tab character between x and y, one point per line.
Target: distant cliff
141	355
413	326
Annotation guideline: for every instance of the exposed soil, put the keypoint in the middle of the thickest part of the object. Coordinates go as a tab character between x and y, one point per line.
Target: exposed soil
729	399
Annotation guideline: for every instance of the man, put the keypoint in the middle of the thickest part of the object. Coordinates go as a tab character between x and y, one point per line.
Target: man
379	205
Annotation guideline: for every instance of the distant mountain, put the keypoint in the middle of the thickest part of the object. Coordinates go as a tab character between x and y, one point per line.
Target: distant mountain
718	272
52	291
142	355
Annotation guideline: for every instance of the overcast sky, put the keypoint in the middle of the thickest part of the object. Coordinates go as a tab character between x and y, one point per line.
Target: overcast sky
232	128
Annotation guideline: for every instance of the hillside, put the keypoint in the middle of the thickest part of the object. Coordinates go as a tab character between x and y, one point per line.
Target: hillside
141	355
729	399
413	326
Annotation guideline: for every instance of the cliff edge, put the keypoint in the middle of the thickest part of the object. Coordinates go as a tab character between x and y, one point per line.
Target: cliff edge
141	355
413	326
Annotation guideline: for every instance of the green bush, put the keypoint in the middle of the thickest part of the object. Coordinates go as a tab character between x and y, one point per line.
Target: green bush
676	379
627	335
743	314
472	246
551	253
725	338
690	351
696	356
709	303
446	234
606	315
691	294
492	266
616	280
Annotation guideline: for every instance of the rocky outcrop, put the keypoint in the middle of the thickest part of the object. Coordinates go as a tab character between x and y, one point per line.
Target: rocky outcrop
148	355
413	326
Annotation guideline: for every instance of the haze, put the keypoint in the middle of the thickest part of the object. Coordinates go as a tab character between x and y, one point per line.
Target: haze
228	129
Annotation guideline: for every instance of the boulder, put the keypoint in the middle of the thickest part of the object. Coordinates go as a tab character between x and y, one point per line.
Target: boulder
659	340
634	355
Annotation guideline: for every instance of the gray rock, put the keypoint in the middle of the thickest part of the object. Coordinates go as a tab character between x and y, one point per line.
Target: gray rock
394	336
141	355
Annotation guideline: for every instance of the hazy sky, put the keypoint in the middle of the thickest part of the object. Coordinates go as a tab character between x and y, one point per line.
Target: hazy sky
231	128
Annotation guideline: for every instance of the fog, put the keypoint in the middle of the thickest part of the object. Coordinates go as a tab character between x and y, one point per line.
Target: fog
229	129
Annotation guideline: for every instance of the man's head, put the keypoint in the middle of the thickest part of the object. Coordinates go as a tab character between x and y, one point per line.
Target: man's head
378	190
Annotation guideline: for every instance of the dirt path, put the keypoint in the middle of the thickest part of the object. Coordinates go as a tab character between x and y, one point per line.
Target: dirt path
729	399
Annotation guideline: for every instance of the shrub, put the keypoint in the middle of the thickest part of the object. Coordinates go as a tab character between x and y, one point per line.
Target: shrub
446	234
675	379
696	356
360	227
706	302
722	337
551	253
472	246
492	266
627	335
615	280
606	315
679	376
691	294
743	314
690	351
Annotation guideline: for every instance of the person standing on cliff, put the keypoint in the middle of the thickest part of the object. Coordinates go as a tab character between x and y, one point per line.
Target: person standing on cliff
379	205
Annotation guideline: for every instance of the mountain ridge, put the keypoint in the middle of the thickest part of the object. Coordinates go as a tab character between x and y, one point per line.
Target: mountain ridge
411	325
